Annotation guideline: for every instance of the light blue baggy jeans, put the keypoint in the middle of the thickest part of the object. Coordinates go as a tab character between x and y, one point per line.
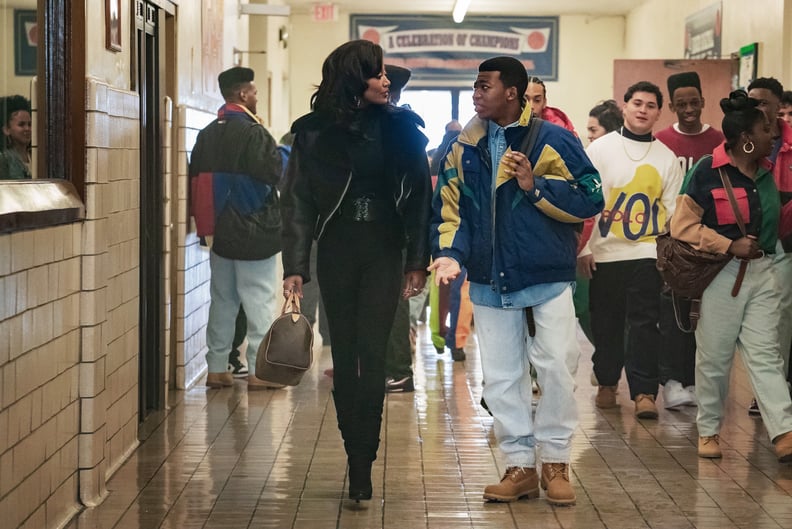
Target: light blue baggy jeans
748	322
506	350
251	283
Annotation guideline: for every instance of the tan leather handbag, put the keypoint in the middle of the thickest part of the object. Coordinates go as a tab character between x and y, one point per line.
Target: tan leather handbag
286	352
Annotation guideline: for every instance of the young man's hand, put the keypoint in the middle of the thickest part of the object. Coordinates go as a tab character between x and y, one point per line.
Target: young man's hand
446	270
519	166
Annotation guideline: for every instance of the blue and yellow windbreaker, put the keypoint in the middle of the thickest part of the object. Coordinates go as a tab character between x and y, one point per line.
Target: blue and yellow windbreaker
515	239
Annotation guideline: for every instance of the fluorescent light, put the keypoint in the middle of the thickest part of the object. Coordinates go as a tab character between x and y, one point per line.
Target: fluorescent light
270	10
460	9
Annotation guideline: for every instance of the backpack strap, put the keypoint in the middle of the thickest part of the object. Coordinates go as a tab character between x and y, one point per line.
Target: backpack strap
529	140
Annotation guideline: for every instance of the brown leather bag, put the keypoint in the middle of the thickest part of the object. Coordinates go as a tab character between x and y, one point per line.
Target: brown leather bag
286	352
687	271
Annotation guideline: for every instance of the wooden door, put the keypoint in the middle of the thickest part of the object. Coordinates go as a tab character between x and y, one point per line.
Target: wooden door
716	82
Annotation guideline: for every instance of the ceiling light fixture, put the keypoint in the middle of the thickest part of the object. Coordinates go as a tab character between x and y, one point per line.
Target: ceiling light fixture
460	9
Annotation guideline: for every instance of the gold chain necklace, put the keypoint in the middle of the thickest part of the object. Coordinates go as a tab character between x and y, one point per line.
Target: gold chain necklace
626	152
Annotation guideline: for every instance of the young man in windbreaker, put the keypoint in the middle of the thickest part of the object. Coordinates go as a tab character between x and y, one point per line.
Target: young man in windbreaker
510	218
234	168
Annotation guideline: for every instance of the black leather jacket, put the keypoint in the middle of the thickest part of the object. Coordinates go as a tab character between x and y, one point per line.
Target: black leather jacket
319	173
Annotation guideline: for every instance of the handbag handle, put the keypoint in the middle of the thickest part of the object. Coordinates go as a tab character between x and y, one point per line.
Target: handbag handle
291	305
733	201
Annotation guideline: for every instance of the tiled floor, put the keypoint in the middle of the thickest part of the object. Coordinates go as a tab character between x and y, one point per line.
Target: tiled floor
232	459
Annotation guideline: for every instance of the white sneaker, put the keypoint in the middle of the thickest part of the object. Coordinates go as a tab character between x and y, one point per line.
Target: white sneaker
692	390
674	395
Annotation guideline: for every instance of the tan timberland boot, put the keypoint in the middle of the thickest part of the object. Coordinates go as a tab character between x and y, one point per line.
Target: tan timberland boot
709	447
606	397
783	447
555	482
645	407
517	483
219	380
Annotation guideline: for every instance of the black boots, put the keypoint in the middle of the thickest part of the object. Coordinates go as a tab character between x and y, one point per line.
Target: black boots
359	478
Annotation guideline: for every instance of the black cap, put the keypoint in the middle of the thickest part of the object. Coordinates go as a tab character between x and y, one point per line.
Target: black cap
397	76
682	80
234	76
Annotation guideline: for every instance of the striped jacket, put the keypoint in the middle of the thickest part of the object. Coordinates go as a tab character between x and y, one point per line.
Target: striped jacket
514	239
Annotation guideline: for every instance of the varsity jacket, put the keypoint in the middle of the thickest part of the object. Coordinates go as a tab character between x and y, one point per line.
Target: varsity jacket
514	239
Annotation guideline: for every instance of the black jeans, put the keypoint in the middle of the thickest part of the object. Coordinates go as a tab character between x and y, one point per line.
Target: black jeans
677	359
624	299
360	270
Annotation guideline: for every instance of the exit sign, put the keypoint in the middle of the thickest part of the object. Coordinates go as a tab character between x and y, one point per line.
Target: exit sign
324	12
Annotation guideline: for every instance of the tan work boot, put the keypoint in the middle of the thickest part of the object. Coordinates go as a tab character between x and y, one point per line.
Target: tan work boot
606	397
256	383
783	447
645	406
219	380
517	483
555	482
709	447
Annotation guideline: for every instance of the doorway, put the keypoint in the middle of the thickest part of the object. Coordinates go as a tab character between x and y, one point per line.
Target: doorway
151	390
438	106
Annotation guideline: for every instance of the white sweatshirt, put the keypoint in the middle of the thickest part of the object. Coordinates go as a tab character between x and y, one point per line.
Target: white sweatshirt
640	183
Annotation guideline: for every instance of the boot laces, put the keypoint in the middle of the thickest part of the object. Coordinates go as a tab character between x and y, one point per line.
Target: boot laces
707	439
556	469
514	473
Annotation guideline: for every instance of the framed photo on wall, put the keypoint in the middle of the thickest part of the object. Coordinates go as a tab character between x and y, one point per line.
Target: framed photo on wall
748	64
113	25
25	42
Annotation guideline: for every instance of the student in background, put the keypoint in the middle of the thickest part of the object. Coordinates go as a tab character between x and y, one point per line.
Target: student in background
536	97
17	133
237	159
689	139
640	181
785	109
740	307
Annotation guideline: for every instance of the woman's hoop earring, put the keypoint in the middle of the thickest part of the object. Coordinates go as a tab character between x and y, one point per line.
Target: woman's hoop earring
745	148
356	100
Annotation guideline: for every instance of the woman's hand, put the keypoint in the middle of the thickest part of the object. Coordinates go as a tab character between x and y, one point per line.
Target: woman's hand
446	269
414	282
293	284
519	166
745	247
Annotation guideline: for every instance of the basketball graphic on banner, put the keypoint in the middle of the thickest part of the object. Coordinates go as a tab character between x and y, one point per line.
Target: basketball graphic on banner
536	40
372	35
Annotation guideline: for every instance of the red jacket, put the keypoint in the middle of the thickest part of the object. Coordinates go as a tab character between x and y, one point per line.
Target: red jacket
782	169
557	117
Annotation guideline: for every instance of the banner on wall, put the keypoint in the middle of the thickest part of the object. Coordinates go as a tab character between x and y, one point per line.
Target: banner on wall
703	33
436	49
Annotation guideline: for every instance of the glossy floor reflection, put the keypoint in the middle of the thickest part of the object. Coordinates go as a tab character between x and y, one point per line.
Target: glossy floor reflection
274	459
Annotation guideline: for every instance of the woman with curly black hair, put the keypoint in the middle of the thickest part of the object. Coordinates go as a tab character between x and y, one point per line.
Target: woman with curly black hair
739	308
17	130
357	182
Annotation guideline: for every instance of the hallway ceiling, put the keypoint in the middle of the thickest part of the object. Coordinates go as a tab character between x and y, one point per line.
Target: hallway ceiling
481	7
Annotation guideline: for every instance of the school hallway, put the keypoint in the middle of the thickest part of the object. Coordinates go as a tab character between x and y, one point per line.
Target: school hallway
222	459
